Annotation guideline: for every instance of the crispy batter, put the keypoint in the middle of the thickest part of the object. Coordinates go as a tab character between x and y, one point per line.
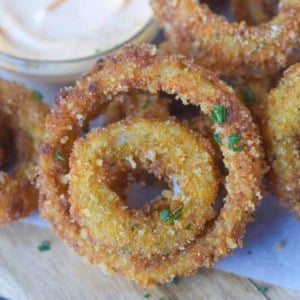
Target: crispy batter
146	105
277	114
281	131
254	12
100	162
141	68
22	119
233	49
254	94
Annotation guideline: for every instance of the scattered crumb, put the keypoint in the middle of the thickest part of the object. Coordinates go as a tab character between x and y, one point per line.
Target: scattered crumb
280	245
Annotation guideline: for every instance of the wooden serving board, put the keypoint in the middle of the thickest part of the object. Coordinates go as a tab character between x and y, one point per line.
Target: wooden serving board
26	273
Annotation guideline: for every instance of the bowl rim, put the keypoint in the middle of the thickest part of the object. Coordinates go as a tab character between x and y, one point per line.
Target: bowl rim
17	59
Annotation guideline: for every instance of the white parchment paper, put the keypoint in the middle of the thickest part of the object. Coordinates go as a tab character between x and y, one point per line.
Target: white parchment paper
260	257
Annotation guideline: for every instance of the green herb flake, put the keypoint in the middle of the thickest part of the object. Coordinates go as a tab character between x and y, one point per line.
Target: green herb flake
165	214
133	227
233	139
98	51
218	114
58	155
248	96
37	95
164	298
217	138
262	289
44	246
176	214
146	296
188	227
145	105
125	250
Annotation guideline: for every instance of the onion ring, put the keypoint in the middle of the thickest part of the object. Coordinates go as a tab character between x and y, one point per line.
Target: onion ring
232	49
254	12
22	119
281	132
165	149
141	68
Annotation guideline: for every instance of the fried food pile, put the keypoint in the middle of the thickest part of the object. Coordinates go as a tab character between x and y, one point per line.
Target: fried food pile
213	112
259	57
179	232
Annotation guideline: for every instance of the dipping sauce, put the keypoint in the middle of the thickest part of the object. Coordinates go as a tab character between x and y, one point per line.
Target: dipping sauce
68	29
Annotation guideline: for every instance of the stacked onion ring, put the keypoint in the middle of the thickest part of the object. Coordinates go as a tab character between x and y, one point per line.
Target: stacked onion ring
82	180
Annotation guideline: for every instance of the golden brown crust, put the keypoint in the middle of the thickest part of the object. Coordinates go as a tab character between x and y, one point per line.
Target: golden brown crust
141	68
23	119
99	164
281	132
233	49
277	114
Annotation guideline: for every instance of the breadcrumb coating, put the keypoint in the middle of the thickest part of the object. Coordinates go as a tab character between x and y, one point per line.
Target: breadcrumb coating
23	123
281	132
141	68
233	49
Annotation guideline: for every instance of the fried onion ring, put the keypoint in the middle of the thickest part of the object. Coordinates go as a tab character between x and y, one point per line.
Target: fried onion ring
141	68
281	131
167	150
22	119
232	49
254	12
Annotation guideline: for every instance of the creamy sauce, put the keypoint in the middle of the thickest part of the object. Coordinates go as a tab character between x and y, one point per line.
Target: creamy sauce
68	29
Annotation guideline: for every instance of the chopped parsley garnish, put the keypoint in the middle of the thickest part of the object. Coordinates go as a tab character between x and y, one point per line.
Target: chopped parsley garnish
233	139
217	138
145	105
262	289
58	155
37	95
44	246
218	113
146	296
98	51
188	227
176	214
248	96
164	298
125	250
166	214
133	227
